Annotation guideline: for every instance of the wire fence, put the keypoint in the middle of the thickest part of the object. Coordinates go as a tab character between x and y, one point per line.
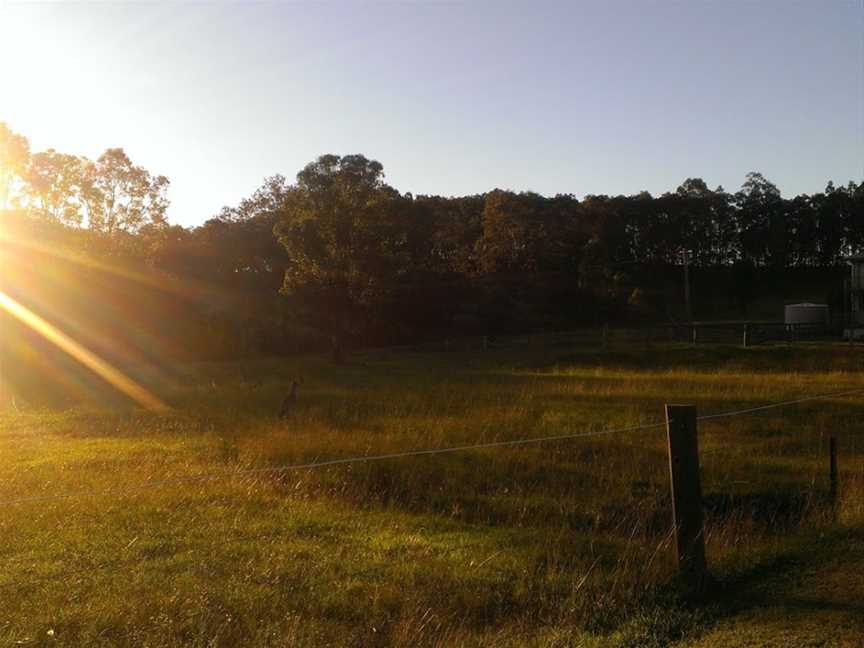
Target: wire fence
340	461
227	474
118	563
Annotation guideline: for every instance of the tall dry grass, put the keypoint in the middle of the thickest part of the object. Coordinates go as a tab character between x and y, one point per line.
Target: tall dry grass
563	543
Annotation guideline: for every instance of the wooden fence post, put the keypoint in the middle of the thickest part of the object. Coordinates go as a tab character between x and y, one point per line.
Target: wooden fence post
832	458
746	340
694	336
686	493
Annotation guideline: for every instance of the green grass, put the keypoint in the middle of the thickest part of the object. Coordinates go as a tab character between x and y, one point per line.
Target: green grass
555	544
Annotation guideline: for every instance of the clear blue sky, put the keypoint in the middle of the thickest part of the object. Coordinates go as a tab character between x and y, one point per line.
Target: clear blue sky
453	98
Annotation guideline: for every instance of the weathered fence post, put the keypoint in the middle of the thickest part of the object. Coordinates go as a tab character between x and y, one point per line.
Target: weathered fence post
686	493
746	340
832	459
694	339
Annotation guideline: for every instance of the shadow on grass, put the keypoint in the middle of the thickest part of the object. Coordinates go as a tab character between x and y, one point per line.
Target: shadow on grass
774	509
815	605
776	581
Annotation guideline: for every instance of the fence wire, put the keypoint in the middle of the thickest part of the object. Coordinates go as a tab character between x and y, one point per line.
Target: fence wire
312	465
119	563
227	474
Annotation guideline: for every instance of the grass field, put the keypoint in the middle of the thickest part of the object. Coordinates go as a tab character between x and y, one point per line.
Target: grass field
556	544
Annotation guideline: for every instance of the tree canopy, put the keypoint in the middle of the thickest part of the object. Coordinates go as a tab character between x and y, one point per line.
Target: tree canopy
338	257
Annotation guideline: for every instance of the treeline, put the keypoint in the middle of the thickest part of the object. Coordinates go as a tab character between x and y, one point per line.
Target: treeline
110	195
339	259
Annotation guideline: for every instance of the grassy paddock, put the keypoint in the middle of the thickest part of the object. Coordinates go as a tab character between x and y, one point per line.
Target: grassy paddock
555	544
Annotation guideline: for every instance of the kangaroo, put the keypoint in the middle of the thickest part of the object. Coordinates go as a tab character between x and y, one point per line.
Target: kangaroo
290	401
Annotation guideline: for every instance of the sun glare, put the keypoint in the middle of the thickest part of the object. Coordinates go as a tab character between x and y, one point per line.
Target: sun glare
110	374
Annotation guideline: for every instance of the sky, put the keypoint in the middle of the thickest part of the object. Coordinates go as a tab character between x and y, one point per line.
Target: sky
453	98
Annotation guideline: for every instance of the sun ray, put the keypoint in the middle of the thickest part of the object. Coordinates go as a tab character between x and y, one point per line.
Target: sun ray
183	288
97	365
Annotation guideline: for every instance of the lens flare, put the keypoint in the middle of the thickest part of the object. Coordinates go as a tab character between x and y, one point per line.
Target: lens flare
97	365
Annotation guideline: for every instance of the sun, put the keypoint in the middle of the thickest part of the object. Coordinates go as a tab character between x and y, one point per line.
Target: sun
46	73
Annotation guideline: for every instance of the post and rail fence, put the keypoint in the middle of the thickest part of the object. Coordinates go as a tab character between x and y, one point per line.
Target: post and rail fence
606	336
